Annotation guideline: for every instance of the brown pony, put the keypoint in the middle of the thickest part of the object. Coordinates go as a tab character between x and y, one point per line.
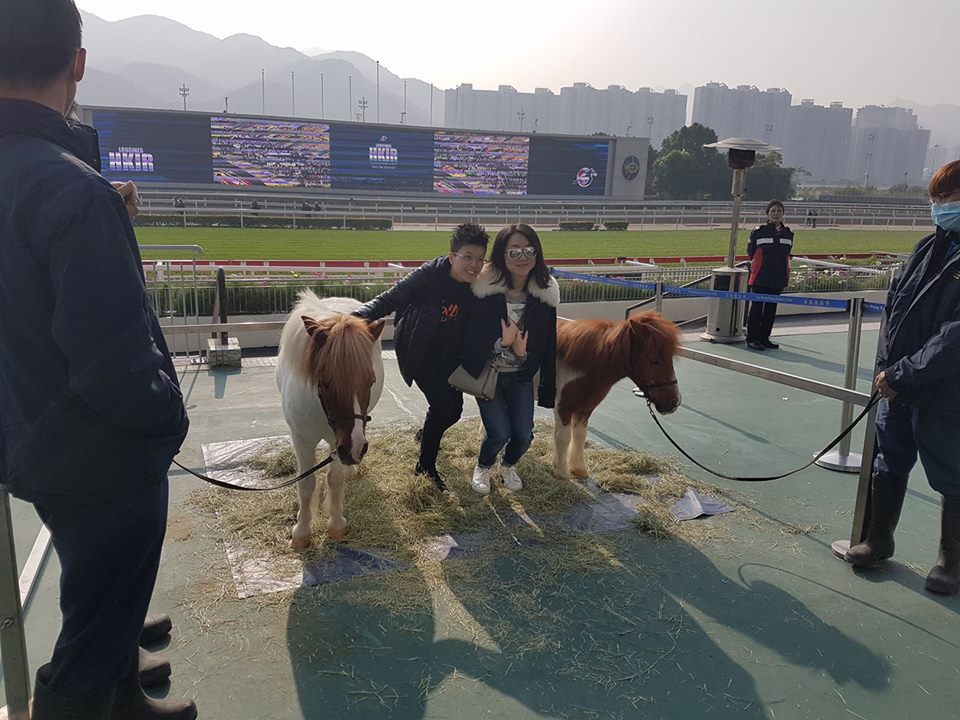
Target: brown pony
592	355
330	375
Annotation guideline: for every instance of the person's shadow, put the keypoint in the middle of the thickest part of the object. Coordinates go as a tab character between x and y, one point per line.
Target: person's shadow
566	625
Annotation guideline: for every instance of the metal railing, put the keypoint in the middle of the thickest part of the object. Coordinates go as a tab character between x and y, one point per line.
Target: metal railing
173	288
441	218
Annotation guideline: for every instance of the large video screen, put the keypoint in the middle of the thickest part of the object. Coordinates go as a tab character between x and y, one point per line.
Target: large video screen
274	153
567	166
480	164
379	158
153	147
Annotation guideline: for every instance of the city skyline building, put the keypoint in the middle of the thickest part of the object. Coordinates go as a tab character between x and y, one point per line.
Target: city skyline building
872	145
579	109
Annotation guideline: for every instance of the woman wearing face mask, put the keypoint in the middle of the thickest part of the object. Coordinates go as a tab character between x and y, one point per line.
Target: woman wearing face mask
919	378
514	324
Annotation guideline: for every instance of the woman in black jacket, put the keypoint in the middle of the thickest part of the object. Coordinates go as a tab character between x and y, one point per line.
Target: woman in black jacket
514	325
429	306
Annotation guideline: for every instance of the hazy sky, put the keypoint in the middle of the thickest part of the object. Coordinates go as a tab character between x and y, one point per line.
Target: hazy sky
857	51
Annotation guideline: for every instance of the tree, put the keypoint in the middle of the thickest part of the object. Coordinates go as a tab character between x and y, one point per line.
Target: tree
768	179
676	176
687	170
652	155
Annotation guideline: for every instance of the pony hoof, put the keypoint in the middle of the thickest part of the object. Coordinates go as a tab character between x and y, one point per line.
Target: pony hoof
582	473
300	543
336	533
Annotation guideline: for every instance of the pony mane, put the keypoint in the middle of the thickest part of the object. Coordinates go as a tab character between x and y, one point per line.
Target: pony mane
663	335
344	356
585	344
589	344
343	359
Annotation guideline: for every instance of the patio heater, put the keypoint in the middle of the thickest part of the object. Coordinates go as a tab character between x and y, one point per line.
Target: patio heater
725	316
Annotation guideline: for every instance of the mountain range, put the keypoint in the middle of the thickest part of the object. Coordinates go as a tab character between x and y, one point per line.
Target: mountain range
143	61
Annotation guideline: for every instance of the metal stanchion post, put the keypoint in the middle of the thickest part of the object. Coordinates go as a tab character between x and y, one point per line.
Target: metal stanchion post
13	646
861	508
862	504
842	459
659	296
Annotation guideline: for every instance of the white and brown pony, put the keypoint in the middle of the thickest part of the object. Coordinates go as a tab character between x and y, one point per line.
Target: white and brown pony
330	375
593	355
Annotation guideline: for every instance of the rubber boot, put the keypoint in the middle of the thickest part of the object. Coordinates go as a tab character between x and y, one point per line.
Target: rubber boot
129	703
944	578
886	502
153	668
48	706
155	627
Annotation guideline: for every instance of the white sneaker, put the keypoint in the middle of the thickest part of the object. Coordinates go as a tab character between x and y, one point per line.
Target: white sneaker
480	482
511	481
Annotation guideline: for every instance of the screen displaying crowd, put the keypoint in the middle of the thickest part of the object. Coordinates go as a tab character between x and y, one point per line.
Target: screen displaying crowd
149	146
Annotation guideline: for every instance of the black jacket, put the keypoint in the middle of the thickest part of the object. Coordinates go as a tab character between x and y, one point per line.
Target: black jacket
428	304
89	401
482	330
920	340
769	249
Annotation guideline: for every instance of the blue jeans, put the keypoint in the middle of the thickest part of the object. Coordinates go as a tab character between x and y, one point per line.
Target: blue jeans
507	421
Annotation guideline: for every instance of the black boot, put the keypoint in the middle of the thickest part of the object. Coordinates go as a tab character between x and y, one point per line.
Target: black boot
129	703
155	627
886	502
945	576
153	668
48	706
434	475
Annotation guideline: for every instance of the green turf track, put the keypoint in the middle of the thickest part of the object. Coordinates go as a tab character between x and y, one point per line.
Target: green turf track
269	244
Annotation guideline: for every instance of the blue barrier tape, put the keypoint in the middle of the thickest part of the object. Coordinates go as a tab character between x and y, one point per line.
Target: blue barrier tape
692	292
874	307
759	297
652	287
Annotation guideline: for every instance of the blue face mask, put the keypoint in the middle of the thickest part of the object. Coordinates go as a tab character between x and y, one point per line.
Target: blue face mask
946	215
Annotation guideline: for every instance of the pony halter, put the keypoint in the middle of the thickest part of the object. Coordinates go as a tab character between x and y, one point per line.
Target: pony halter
653	386
331	418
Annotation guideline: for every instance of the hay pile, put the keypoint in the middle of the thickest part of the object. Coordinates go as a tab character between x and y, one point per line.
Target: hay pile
390	510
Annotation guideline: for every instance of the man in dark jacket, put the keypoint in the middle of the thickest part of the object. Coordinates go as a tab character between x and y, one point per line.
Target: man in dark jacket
769	249
90	410
919	378
428	331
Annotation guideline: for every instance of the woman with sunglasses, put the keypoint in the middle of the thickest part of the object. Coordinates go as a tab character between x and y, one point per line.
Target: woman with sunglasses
514	325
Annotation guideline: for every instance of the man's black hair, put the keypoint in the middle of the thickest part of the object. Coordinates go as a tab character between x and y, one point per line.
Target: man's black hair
39	40
469	234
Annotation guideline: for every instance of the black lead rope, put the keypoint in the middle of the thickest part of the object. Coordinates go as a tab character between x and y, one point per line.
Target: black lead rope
874	399
331	419
286	483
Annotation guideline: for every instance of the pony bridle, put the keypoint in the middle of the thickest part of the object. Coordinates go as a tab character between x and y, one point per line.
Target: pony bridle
645	389
331	419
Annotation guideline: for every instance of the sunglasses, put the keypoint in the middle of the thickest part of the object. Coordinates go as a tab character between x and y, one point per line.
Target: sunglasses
516	253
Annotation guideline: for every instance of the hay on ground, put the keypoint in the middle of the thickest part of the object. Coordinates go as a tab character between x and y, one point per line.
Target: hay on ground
392	511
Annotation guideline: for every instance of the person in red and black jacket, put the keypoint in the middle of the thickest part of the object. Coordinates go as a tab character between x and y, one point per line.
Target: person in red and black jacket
769	249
